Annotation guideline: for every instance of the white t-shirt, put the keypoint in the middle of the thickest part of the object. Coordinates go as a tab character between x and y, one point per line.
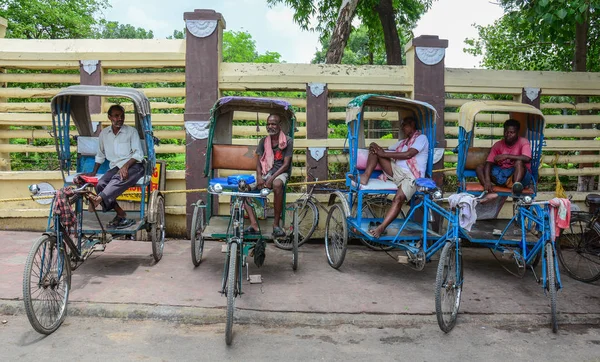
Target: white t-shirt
422	146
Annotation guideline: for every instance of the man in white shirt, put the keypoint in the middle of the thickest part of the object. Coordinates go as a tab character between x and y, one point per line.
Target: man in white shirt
120	144
402	163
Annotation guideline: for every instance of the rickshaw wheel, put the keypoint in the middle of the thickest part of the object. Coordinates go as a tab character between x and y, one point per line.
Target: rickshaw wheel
448	286
45	293
231	282
551	285
578	249
336	236
196	235
158	228
295	240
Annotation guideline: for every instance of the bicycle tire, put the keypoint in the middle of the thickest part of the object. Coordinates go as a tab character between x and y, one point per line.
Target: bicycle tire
551	285
158	230
448	286
231	282
336	236
45	305
295	243
578	249
196	238
308	219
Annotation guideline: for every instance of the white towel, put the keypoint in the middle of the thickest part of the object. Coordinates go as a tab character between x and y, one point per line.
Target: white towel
466	203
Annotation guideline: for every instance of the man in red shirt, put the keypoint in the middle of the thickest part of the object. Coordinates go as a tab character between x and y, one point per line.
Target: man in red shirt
509	161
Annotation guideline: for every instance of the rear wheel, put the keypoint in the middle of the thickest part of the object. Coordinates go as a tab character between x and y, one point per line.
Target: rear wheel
196	235
231	283
46	285
551	285
448	286
295	242
578	250
308	218
336	236
158	229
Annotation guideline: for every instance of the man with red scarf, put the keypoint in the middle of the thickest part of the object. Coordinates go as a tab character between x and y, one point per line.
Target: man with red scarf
402	163
272	170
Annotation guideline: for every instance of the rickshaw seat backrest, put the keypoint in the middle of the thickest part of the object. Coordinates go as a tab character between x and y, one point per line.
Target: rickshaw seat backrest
476	156
234	157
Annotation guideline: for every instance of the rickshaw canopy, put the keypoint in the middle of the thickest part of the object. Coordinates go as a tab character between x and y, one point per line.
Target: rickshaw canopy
468	111
418	108
77	98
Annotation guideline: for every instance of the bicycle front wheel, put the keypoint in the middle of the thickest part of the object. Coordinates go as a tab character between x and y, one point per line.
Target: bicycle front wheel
448	286
551	284
46	285
196	235
578	249
308	216
231	283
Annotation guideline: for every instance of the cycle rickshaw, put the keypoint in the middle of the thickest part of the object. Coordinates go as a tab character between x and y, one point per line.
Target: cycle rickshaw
352	213
223	157
47	275
520	242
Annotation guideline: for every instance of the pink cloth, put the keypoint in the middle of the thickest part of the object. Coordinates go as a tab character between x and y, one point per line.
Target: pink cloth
562	213
268	158
411	162
520	148
361	159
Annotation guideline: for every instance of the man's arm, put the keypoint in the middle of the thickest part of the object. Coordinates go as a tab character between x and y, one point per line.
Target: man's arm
523	158
136	156
487	180
286	165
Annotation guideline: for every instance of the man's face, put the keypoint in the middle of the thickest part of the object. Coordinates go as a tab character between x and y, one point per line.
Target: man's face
408	128
273	125
511	134
117	117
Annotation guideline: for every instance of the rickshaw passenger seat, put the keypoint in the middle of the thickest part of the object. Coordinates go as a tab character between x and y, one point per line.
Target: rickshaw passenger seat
477	187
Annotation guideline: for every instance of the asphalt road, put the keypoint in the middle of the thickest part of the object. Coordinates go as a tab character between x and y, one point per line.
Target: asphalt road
106	339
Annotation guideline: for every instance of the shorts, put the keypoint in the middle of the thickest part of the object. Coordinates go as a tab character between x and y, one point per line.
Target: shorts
404	179
503	176
283	177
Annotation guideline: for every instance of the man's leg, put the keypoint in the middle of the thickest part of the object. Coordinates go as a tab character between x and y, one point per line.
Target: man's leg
277	201
392	213
104	180
519	172
480	174
372	161
251	216
116	186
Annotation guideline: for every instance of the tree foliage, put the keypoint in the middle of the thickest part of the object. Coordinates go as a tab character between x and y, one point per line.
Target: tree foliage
51	19
404	13
239	47
360	49
114	30
539	35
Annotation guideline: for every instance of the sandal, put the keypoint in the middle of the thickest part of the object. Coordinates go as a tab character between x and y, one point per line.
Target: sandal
120	222
250	230
278	232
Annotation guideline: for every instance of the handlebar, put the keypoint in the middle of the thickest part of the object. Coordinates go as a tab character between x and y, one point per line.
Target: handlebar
215	191
35	191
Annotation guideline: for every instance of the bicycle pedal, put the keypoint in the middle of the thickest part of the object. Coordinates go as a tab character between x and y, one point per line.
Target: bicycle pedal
99	247
255	279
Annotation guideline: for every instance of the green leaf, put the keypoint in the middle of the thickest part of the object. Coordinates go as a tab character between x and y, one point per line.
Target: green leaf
562	13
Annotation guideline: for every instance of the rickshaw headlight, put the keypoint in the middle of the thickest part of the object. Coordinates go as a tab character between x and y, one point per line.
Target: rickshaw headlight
218	188
438	195
34	189
265	192
527	199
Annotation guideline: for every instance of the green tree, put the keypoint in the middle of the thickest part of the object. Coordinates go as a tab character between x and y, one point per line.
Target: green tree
51	19
114	30
389	20
361	48
239	47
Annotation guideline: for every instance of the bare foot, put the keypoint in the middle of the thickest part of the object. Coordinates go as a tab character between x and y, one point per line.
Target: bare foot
487	198
376	233
363	179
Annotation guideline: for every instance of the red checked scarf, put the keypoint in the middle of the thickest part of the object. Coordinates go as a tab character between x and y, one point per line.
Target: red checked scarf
268	158
63	209
411	162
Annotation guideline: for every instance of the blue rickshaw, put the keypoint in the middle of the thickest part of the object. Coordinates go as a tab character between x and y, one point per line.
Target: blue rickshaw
65	245
518	243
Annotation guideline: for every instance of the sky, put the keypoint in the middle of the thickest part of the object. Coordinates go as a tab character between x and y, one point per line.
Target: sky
274	30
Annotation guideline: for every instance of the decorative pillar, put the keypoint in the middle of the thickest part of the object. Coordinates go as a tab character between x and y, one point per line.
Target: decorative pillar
317	129
90	73
425	57
4	157
204	34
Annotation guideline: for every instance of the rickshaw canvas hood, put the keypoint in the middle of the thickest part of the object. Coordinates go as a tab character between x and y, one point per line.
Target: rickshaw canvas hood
468	111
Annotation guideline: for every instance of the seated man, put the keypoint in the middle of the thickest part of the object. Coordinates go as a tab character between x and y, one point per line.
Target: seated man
402	163
508	163
120	144
273	167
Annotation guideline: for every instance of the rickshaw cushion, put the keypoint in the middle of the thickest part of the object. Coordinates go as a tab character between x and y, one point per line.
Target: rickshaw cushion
477	187
234	157
377	184
361	159
221	181
235	179
426	182
141	182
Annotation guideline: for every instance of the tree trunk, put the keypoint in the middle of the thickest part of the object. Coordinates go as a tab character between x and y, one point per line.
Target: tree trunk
584	183
340	34
393	51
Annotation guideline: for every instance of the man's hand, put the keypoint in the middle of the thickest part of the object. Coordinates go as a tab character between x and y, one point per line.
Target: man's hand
124	172
92	174
260	183
375	148
269	183
500	158
488	187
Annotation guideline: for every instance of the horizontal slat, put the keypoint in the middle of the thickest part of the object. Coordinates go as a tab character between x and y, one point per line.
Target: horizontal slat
51	92
551	145
42	107
548	132
172	77
549	159
39	78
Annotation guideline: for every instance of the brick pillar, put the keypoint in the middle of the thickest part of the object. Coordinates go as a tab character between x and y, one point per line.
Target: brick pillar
90	73
4	157
204	33
317	128
425	57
